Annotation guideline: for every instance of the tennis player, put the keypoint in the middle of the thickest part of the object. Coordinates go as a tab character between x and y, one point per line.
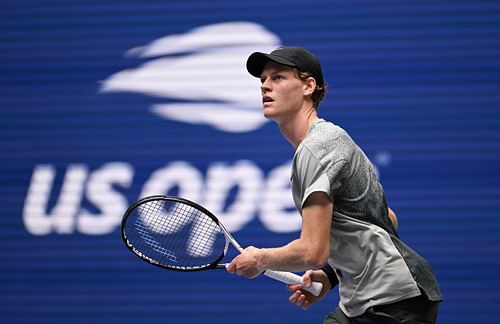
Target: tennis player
348	236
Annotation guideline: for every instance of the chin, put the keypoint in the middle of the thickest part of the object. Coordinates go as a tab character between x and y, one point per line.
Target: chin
268	114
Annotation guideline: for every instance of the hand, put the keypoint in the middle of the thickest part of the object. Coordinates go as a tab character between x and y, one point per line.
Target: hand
302	298
247	264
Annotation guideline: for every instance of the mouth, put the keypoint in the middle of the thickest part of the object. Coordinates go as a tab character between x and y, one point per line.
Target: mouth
266	99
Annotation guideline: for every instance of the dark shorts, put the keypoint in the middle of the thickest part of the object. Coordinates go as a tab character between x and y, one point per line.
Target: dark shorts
417	310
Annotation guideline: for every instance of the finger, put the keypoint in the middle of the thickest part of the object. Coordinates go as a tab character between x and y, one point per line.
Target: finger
306	281
300	301
248	248
294	297
294	287
231	267
306	305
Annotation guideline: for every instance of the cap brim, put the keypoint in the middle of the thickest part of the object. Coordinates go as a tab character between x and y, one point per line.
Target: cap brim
256	62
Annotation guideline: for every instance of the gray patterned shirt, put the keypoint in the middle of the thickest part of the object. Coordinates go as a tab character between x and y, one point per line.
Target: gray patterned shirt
372	265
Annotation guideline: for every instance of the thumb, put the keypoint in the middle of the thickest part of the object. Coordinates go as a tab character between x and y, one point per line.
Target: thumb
231	267
306	279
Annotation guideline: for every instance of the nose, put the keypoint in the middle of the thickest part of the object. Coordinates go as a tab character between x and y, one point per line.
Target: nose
264	86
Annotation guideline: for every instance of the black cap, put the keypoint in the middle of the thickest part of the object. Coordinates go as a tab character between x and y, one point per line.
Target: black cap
296	57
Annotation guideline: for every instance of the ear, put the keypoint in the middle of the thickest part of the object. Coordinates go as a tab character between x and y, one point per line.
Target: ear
309	86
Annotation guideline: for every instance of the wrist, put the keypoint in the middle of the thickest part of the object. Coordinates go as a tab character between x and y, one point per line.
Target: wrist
330	273
262	259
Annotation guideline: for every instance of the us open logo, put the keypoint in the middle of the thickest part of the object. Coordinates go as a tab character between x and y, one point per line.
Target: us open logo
206	67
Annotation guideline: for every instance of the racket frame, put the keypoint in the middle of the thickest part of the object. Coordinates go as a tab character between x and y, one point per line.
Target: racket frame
213	265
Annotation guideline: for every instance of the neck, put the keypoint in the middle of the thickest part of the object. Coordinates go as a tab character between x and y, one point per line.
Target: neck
296	128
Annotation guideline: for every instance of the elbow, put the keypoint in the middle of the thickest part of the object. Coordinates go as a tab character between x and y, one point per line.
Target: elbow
316	260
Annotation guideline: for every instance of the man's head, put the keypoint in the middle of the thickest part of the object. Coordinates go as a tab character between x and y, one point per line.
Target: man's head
299	58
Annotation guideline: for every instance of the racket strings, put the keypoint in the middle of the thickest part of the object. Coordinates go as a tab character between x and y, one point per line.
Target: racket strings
144	211
207	231
177	234
204	230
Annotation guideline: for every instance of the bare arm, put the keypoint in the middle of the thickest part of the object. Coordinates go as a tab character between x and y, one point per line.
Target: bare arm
311	250
393	218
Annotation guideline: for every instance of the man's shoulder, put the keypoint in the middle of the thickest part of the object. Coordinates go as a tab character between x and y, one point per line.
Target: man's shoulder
325	135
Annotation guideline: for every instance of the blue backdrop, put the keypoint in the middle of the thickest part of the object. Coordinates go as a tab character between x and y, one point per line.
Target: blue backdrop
103	102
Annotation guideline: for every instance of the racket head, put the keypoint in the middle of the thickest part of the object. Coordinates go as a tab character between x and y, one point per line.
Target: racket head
174	233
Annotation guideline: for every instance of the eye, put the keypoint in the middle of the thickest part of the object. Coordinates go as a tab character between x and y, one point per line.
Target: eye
278	77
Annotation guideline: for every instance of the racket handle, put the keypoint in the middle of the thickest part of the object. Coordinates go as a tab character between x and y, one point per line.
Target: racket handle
292	278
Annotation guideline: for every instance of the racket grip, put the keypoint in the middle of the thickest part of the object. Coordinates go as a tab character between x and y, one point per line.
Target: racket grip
292	278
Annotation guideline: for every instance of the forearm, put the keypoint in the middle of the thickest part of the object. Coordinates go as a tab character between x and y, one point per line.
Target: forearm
312	249
295	256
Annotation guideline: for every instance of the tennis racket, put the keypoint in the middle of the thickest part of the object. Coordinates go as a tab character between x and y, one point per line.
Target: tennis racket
177	234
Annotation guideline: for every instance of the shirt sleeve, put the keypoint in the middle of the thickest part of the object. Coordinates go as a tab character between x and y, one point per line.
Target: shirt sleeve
311	176
321	184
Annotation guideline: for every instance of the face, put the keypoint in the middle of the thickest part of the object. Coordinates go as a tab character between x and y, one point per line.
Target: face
282	91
